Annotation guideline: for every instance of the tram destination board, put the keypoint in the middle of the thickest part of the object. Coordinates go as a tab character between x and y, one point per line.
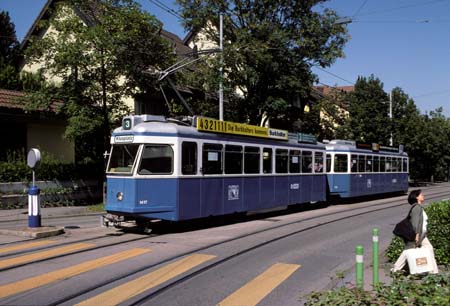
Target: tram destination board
227	127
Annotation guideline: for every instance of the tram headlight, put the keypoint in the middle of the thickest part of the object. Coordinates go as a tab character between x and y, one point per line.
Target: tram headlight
119	196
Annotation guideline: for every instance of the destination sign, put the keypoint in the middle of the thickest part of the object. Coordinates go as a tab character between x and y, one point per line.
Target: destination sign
306	138
376	147
227	127
124	138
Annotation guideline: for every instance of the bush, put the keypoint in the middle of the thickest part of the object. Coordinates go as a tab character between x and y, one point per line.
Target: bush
431	290
438	232
15	169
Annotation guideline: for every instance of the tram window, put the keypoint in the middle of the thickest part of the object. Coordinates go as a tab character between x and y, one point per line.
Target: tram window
307	162
376	164
156	159
398	163
354	160
388	164
369	163
251	160
233	159
405	165
361	163
122	158
294	161
189	158
328	163
281	161
394	164
267	160
318	162
340	163
212	158
382	164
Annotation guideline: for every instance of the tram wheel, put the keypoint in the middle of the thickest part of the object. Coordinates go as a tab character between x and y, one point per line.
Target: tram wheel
143	226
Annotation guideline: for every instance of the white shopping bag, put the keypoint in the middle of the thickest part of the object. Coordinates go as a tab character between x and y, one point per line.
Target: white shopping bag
419	260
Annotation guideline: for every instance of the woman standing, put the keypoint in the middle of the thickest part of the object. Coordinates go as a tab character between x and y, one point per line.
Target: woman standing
418	218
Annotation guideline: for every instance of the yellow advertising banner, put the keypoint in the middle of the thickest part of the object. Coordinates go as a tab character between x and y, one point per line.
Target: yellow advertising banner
227	127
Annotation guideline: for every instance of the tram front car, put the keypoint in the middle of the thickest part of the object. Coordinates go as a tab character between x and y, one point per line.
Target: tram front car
138	151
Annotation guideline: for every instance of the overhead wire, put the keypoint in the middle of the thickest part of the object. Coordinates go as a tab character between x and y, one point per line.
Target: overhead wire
359	9
404	21
400	7
335	75
432	94
166	8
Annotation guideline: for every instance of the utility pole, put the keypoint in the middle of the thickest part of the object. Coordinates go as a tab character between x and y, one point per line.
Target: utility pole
391	141
221	68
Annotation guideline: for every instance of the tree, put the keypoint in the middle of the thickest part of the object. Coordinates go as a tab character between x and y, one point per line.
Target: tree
269	49
334	114
101	59
435	156
9	46
368	113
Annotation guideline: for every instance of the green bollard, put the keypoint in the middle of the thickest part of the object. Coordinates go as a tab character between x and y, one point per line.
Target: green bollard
375	256
359	267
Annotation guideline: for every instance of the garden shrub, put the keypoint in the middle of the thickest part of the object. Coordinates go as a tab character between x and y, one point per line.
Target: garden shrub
431	290
15	169
438	232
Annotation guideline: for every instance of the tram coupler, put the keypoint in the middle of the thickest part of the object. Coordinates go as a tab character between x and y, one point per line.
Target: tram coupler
109	220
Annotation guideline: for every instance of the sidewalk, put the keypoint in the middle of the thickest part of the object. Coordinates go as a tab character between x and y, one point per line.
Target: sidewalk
384	276
46	213
11	215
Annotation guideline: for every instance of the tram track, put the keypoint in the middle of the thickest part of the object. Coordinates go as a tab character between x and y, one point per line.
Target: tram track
245	251
367	209
108	236
65	254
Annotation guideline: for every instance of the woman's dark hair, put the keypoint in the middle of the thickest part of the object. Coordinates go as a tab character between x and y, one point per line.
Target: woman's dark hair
412	198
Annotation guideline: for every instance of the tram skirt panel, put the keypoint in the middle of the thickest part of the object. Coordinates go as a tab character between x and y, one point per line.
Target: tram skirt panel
212	196
251	195
189	199
233	194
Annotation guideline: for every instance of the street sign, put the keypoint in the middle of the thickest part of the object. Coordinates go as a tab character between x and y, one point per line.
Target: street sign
33	158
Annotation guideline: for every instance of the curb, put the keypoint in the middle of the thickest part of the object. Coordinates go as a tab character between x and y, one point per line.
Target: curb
39	232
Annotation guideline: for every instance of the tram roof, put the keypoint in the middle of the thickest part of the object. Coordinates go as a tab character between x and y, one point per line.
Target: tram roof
350	146
175	129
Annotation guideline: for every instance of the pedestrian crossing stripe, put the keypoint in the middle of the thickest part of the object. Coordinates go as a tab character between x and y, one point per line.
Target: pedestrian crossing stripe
128	290
44	254
44	279
257	289
24	246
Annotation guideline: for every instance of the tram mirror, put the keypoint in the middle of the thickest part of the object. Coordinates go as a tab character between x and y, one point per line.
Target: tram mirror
33	158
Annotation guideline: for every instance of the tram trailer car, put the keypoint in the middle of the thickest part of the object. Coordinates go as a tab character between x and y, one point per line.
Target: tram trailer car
163	169
356	169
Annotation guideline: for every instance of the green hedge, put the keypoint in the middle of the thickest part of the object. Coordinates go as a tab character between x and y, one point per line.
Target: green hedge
431	290
15	169
438	232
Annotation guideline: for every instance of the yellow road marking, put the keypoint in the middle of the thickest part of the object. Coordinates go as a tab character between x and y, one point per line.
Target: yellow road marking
44	279
24	246
254	291
124	292
45	254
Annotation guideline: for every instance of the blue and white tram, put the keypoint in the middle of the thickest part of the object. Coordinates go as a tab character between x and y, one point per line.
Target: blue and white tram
357	169
163	169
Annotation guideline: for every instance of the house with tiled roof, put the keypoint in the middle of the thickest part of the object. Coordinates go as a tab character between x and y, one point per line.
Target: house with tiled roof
333	113
22	129
43	128
139	104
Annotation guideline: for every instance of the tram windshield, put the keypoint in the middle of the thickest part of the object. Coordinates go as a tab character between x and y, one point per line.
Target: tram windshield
122	158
